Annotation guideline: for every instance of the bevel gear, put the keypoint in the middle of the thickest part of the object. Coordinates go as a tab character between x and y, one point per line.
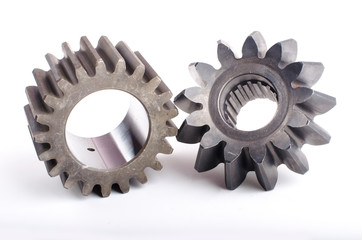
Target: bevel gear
74	77
214	107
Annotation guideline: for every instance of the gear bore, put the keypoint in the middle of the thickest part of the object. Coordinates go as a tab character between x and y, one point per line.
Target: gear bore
260	73
74	77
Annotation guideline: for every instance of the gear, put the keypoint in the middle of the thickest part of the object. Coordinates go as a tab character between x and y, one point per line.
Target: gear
73	78
214	107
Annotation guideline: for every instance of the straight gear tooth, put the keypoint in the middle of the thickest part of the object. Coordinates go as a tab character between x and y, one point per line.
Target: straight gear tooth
281	141
254	46
134	65
225	54
258	90
240	97
297	119
202	73
304	74
87	188
112	58
71	65
191	134
312	134
122	153
266	172
235	172
106	190
284	52
141	177
318	103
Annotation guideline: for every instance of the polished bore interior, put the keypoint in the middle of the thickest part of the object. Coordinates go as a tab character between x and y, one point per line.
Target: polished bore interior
261	109
107	139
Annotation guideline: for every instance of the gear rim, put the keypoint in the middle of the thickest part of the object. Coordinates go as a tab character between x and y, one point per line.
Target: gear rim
284	146
76	76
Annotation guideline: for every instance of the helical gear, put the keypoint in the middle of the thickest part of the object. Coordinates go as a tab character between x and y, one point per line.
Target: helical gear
260	73
74	77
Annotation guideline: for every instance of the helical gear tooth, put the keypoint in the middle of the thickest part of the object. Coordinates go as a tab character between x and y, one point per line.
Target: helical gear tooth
141	177
112	58
304	74
106	190
71	65
209	155
284	52
235	170
202	73
318	103
134	65
225	55
297	119
264	167
37	105
191	134
185	101
312	134
87	188
36	129
282	141
254	46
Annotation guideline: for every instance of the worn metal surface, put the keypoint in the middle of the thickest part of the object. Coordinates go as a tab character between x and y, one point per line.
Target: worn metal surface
74	77
260	73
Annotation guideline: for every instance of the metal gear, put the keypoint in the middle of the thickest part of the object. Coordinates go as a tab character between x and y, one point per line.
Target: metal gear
74	77
214	107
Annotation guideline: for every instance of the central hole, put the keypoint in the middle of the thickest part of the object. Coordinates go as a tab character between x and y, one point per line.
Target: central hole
107	129
250	106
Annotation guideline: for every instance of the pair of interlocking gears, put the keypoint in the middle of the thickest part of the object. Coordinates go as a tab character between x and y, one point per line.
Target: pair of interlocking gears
213	109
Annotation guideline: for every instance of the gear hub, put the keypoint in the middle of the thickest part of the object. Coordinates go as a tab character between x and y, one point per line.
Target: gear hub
127	150
260	73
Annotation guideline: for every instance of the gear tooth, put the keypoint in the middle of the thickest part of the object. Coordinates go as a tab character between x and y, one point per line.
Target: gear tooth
282	141
53	167
235	171
304	74
153	84
297	119
302	94
258	153
134	65
284	52
294	159
210	153
254	46
312	134
266	171
89	57
113	60
106	190
187	101
71	65
55	66
191	134
318	103
37	105
165	147
171	129
141	177
46	83
87	188
225	55
124	187
156	165
68	180
164	97
37	130
202	73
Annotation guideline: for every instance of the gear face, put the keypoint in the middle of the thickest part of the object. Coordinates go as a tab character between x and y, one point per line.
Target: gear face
78	75
260	73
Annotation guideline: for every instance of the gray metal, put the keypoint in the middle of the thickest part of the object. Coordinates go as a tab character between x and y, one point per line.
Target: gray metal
260	73
74	77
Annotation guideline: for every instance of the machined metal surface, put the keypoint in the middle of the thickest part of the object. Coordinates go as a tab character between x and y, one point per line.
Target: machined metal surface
123	153
260	73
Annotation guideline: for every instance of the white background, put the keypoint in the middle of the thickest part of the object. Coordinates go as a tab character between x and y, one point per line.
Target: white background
178	202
